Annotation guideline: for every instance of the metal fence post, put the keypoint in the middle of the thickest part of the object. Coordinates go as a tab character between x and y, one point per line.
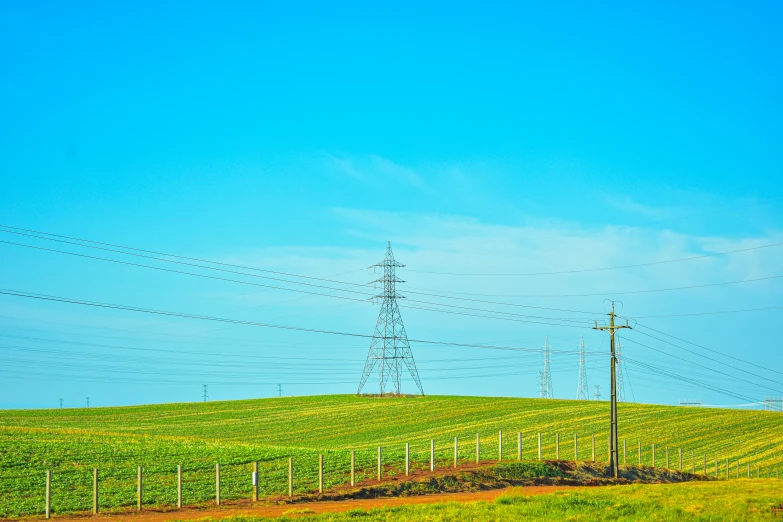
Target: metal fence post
593	447
478	448
500	445
179	486
456	451
380	463
557	446
432	455
407	459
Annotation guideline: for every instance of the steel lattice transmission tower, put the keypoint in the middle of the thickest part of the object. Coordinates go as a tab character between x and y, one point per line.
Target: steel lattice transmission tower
546	377
389	348
581	391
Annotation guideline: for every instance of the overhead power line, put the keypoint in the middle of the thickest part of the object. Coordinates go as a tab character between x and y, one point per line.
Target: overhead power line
602	269
708	349
298	290
625	292
710	313
168	313
82	240
194	274
706	367
681	377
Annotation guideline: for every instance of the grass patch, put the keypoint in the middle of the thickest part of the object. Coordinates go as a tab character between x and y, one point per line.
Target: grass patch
731	501
71	442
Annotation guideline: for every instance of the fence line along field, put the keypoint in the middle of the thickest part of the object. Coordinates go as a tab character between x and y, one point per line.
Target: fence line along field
73	442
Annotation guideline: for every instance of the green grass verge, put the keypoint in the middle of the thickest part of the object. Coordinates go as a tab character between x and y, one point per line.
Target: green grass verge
71	442
727	501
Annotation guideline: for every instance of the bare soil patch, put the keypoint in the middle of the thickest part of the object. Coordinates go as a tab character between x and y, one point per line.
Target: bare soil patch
304	508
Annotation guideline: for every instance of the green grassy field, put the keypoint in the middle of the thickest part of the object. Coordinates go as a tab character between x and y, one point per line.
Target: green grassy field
730	501
71	442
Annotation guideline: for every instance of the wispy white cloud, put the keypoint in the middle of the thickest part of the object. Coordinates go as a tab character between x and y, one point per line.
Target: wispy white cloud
627	204
345	166
376	169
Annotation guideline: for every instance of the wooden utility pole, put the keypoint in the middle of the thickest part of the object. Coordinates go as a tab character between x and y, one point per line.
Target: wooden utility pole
612	328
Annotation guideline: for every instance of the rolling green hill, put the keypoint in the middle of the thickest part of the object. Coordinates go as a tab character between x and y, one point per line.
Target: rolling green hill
71	442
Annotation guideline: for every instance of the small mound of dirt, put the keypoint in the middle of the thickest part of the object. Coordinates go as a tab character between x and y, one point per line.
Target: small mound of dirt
502	475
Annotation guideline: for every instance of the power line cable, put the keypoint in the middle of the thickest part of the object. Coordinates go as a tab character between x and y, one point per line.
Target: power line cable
224	279
710	358
710	313
167	255
182	272
113	306
406	306
684	378
585	270
709	349
705	367
648	291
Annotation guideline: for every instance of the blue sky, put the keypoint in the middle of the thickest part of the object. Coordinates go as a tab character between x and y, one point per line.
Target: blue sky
299	138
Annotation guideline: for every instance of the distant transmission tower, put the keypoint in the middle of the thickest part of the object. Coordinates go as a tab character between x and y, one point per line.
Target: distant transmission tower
389	348
61	404
205	392
597	396
620	385
546	391
88	402
279	390
581	391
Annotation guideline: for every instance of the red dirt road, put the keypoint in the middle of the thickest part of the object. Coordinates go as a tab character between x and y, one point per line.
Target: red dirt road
273	510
